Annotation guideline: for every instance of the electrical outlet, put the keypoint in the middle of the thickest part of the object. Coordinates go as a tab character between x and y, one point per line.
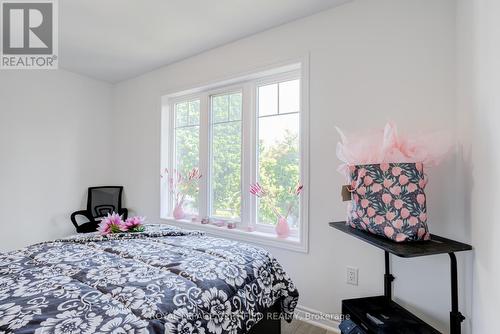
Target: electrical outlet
352	276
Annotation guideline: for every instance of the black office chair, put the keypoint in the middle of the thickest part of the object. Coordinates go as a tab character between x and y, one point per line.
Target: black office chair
100	202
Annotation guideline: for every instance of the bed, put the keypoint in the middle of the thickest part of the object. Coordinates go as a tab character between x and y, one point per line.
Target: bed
163	280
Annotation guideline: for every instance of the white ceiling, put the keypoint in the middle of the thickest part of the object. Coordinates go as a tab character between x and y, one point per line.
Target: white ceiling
114	40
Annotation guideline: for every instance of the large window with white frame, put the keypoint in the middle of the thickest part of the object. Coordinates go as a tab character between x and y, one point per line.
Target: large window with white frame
251	131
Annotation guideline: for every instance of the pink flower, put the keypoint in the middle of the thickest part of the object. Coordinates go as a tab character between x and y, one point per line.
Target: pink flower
413	221
371	212
389	231
419	167
388	183
384	167
423	217
379	220
112	223
257	190
398	204
403	179
134	224
298	189
421	199
364	203
398	224
376	187
361	172
396	171
412	187
194	174
405	213
368	180
396	190
386	198
390	215
422	183
421	232
361	191
401	237
352	168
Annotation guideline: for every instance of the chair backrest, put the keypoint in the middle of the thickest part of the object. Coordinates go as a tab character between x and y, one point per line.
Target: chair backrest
104	200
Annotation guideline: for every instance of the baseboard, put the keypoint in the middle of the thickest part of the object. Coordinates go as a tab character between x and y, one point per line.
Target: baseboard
317	318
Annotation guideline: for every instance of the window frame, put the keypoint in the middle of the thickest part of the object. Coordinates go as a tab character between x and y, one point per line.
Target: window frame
248	86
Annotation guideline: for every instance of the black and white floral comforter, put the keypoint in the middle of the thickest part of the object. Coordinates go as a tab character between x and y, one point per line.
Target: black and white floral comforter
164	280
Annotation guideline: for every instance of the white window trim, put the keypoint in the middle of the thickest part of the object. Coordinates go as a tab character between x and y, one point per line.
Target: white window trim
298	241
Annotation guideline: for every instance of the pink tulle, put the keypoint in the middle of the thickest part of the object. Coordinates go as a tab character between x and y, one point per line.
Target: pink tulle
388	146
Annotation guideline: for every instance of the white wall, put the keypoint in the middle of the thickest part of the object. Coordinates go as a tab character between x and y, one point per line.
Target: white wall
54	142
370	61
479	118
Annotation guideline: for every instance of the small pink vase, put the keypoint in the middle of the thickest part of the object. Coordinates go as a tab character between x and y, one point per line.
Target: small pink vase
179	211
282	228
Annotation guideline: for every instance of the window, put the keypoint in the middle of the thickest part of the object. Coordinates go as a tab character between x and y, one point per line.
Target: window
225	166
279	150
252	129
187	147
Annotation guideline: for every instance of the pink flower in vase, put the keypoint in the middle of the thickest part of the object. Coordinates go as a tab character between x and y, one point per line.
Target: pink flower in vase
112	223
282	228
257	190
134	224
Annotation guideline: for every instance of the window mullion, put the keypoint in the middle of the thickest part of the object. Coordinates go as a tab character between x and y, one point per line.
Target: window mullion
245	159
204	156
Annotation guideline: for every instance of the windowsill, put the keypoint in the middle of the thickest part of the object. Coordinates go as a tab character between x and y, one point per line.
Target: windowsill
291	243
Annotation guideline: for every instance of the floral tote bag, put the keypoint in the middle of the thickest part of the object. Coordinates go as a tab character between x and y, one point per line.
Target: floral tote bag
388	199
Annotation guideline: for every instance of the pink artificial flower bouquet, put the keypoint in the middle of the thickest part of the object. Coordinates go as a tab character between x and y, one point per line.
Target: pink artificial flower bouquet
113	223
282	228
180	186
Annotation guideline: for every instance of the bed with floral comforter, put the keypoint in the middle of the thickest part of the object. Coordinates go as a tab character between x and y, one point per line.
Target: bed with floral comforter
163	280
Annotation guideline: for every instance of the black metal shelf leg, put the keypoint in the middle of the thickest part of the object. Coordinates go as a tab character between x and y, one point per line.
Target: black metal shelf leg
456	317
388	278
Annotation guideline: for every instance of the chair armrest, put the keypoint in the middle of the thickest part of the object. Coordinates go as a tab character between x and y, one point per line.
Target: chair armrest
123	212
84	213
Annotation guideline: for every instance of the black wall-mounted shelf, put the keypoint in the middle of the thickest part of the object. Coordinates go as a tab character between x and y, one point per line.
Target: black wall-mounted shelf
437	245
